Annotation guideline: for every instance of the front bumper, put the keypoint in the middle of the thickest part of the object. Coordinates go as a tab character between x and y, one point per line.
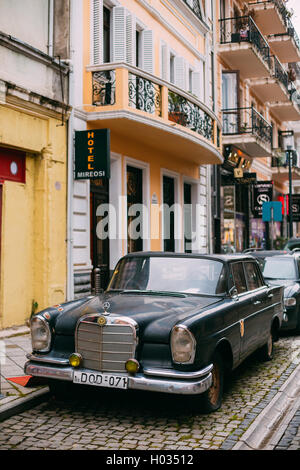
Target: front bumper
291	318
153	380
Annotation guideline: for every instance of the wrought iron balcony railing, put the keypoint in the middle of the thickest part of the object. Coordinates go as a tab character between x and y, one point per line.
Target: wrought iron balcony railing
188	114
279	73
243	29
246	121
148	94
144	94
194	6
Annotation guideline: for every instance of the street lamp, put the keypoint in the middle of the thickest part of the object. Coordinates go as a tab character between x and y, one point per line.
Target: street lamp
288	145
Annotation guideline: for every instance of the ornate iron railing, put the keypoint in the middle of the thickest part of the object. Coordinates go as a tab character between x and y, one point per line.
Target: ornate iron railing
243	29
188	114
194	6
104	88
246	121
279	73
144	94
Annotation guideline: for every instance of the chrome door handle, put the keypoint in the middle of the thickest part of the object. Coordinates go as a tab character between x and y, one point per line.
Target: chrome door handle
270	296
257	302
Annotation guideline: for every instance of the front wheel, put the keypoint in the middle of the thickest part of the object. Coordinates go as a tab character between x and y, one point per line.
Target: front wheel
211	400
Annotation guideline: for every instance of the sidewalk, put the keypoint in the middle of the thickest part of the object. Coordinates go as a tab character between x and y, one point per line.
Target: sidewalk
15	344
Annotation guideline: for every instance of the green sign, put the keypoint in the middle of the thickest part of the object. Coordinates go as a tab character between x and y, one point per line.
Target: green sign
92	154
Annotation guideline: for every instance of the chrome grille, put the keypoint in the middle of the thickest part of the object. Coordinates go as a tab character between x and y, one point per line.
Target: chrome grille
105	348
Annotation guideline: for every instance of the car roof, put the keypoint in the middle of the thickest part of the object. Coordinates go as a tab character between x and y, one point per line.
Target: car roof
265	253
218	257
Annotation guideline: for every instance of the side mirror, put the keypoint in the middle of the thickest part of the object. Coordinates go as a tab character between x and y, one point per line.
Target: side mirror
233	293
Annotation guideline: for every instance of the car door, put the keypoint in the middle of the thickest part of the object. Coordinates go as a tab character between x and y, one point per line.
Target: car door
243	305
258	318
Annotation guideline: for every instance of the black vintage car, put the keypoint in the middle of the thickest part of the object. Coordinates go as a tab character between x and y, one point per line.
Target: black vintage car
169	323
284	270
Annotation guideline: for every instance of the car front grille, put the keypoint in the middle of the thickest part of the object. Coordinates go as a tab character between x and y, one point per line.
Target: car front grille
106	348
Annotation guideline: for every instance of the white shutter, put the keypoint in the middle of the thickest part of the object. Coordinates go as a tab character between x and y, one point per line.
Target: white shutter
148	51
196	84
165	62
118	34
96	25
131	39
180	72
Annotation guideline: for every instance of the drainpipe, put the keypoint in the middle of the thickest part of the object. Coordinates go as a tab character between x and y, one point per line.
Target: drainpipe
50	27
70	183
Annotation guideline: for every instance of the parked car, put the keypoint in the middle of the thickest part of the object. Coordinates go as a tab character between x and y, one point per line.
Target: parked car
172	323
292	243
261	254
284	270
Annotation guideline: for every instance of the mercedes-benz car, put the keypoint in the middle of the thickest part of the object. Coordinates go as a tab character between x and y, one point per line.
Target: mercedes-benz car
172	323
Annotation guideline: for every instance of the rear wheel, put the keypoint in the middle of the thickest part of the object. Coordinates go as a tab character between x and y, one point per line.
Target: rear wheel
267	351
211	400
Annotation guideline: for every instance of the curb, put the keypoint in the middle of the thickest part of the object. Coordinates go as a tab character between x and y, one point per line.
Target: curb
22	404
267	429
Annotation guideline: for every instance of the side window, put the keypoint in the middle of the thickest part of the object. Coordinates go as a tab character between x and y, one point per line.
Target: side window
253	278
239	277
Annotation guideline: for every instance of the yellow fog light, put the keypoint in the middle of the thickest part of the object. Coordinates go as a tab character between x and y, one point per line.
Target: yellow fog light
132	366
75	360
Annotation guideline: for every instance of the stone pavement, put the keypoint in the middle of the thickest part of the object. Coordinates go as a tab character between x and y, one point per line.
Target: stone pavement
259	393
15	343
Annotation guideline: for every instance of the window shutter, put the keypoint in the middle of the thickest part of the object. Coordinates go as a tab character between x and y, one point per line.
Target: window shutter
180	72
96	23
131	39
165	62
118	34
148	51
196	84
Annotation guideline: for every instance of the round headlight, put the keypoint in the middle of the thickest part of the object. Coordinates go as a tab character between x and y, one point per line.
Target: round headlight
183	345
290	301
40	334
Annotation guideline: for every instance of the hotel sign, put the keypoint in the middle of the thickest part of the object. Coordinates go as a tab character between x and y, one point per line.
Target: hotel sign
92	154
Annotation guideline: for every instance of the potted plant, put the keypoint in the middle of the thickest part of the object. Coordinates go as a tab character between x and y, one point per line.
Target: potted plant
176	113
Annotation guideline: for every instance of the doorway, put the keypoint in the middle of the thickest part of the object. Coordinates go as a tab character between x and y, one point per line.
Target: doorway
99	195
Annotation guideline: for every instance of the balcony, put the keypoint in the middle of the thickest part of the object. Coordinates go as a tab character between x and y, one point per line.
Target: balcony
247	129
141	108
287	110
243	47
195	7
270	16
286	45
275	88
280	168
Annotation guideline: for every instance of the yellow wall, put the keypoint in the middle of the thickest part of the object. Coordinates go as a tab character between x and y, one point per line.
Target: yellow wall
33	255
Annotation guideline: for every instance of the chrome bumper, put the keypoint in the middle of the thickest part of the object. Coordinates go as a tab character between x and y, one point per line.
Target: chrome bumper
155	380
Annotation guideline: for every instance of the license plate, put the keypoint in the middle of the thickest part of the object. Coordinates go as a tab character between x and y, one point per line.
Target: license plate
100	380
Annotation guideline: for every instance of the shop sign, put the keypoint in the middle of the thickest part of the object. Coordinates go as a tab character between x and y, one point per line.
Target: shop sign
12	165
262	192
296	207
228	195
92	154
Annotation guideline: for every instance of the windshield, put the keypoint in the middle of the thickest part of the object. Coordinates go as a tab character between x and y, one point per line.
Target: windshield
163	274
275	268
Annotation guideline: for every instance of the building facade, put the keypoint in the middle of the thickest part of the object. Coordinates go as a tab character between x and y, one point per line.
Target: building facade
146	72
33	151
257	47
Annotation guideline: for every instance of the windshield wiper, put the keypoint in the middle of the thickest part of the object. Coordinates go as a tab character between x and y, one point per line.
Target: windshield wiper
153	292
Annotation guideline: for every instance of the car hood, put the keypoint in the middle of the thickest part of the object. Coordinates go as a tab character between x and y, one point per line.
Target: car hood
154	314
290	286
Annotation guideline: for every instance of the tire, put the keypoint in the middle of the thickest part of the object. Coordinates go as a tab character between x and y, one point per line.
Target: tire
211	400
266	352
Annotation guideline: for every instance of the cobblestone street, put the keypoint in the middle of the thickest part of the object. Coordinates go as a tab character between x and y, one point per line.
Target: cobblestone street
291	438
112	419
